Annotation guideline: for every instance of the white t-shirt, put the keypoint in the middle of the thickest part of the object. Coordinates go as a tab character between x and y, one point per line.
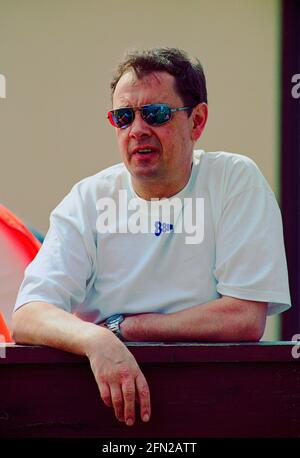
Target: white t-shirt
239	249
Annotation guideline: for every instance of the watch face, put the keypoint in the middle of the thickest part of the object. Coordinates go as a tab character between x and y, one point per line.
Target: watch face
115	318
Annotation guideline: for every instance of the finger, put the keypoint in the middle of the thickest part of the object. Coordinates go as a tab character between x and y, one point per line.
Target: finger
144	396
105	393
117	401
128	389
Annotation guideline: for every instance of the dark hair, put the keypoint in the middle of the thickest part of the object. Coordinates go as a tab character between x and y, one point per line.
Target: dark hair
189	77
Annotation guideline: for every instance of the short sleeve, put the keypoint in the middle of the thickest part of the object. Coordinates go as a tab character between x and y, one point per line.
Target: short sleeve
250	254
62	271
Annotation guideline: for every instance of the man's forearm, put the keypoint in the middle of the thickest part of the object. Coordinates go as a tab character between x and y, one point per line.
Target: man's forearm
40	323
224	319
117	374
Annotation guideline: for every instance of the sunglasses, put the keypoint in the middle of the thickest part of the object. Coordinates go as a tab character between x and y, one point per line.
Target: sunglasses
155	114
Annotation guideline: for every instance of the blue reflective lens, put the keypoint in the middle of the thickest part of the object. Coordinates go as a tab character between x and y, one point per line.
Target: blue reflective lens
123	117
156	114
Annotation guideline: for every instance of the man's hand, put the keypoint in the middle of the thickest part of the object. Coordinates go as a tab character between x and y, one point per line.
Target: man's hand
119	378
117	373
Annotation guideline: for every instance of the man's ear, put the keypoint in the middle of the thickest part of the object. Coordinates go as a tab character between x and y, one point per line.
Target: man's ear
199	117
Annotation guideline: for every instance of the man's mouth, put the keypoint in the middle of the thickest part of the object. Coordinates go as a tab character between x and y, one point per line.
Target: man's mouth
144	151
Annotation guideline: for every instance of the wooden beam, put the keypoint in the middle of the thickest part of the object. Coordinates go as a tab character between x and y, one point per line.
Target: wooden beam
197	390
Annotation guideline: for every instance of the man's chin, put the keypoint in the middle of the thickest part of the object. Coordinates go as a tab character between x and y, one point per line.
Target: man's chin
144	173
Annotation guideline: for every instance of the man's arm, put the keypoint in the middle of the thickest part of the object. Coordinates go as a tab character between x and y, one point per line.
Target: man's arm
116	371
225	320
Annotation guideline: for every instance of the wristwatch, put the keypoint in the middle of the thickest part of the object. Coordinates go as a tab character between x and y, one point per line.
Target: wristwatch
113	323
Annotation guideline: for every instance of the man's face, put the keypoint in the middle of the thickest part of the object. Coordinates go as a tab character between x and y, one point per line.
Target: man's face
167	166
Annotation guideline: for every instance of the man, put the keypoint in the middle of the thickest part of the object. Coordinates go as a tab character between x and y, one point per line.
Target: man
156	284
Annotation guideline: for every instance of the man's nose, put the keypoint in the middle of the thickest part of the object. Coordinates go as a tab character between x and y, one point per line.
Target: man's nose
139	127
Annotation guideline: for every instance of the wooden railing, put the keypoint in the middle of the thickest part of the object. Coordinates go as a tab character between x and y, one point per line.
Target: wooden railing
197	390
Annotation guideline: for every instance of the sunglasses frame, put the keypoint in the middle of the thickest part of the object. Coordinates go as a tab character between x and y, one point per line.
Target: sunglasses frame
110	114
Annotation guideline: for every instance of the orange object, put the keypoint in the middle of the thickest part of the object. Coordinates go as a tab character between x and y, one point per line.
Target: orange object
4	331
21	246
28	241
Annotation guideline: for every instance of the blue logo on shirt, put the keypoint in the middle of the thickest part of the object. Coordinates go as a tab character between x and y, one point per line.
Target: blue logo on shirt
162	227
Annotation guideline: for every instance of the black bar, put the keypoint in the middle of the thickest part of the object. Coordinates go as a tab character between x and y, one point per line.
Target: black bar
197	390
290	159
